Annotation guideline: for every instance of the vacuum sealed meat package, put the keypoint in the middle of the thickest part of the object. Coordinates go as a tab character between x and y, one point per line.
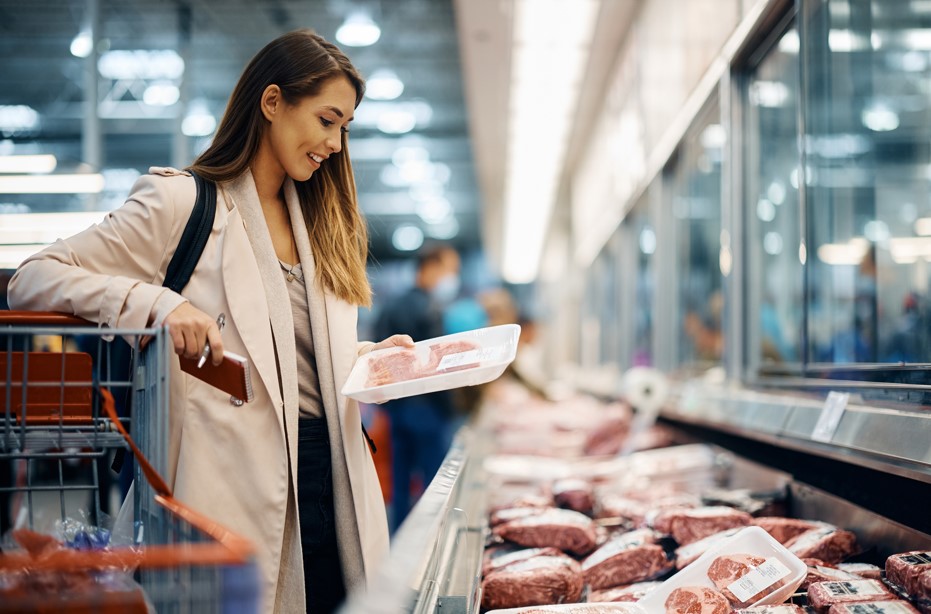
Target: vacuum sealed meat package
823	595
696	600
904	568
563	529
625	559
826	543
690	525
539	580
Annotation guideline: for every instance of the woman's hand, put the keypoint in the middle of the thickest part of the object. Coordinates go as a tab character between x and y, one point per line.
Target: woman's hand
190	328
392	341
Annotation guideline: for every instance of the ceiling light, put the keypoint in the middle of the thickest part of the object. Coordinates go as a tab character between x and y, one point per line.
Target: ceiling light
434	211
198	121
647	240
384	84
879	117
407	238
91	183
547	65
850	253
140	64
358	31
17	118
713	137
923	226
161	94
28	164
772	243
445	230
789	43
397	121
82	45
769	94
11	256
410	153
765	210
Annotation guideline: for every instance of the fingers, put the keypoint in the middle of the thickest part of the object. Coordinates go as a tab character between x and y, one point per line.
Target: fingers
403	340
216	344
190	328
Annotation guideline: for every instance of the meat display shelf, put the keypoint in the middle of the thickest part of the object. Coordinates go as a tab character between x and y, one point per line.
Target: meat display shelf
889	440
435	559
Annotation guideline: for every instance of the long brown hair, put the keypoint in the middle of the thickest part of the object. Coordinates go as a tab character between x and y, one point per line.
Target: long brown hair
300	62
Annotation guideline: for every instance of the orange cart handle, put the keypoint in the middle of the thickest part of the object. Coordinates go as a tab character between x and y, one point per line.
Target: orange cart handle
40	318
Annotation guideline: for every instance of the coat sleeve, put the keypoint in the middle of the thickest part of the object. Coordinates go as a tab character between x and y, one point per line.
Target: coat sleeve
110	273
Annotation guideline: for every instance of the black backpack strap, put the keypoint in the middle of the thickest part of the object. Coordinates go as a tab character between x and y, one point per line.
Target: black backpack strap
194	238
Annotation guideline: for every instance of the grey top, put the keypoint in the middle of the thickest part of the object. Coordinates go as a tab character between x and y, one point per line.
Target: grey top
310	403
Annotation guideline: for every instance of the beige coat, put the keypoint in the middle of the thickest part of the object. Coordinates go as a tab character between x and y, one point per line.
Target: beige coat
234	464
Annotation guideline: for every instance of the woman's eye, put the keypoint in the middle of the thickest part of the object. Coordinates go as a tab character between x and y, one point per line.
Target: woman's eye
326	123
345	130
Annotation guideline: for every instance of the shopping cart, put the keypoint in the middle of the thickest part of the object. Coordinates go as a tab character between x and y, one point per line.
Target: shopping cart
62	379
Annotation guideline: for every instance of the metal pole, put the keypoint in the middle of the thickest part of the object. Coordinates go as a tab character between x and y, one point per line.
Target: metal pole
180	143
91	135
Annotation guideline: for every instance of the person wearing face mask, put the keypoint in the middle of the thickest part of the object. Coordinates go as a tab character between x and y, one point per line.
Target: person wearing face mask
422	427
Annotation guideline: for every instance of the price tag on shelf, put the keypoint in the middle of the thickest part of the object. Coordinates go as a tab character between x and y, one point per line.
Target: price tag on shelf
831	414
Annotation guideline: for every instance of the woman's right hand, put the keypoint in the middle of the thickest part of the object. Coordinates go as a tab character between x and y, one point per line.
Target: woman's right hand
190	328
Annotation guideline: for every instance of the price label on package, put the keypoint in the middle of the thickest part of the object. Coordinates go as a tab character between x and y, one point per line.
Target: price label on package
831	414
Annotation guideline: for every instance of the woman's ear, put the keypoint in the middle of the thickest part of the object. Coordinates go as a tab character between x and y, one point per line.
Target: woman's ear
271	101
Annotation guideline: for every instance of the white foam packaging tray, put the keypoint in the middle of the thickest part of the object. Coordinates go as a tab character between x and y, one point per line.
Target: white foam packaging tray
749	540
497	347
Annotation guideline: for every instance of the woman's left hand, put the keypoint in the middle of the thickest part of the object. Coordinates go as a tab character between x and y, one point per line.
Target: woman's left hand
393	341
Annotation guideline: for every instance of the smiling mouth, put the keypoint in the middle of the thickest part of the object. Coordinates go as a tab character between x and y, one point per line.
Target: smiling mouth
315	158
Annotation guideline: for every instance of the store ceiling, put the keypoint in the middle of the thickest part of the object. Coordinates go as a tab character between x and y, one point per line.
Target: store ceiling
418	41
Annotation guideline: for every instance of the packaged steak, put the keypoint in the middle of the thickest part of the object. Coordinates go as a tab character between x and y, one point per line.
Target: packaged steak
513	513
574	494
923	590
631	557
696	600
686	555
563	529
625	593
784	529
903	569
821	571
609	434
393	367
746	578
540	580
782	608
863	570
690	525
826	543
823	595
441	349
499	557
896	606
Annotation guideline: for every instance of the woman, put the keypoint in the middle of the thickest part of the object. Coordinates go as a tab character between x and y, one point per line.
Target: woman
285	262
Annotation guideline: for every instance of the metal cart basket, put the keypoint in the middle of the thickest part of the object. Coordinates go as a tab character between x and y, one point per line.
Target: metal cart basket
62	381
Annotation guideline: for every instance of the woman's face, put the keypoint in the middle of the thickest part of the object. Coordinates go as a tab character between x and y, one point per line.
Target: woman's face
303	135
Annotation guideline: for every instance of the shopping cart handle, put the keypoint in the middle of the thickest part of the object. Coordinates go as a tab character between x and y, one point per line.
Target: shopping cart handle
40	318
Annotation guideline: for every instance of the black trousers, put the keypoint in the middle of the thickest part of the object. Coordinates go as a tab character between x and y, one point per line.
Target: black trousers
323	576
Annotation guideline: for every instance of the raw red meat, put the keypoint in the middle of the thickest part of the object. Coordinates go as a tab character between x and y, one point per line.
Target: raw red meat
446	348
540	580
392	367
631	557
896	606
574	494
685	555
696	600
783	529
626	593
903	569
822	595
564	529
502	556
863	570
687	526
822	571
727	569
825	543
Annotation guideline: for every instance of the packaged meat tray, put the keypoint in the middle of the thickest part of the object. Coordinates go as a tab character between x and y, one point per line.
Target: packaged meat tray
452	361
747	569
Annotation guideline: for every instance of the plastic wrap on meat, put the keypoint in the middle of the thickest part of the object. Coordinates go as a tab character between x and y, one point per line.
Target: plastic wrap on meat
745	500
822	595
726	570
513	513
822	571
564	529
863	570
687	526
499	557
399	366
923	589
623	594
696	600
784	529
826	543
904	568
896	606
686	555
622	508
448	348
609	435
782	608
631	557
540	580
573	494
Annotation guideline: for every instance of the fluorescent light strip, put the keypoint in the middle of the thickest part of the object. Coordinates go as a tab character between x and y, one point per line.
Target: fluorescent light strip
91	183
28	164
548	63
21	229
11	256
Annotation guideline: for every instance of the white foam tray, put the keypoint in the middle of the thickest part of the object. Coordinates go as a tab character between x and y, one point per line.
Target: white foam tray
497	349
